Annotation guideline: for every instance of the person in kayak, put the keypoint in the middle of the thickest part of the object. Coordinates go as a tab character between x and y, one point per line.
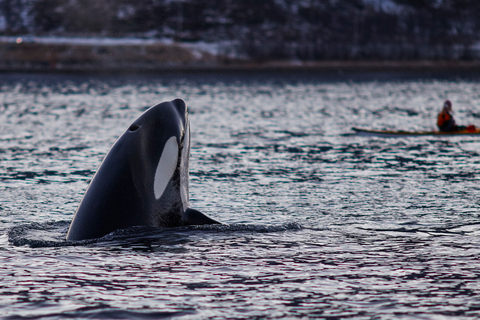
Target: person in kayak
445	120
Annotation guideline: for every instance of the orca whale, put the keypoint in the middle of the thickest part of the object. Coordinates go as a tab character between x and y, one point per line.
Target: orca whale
143	180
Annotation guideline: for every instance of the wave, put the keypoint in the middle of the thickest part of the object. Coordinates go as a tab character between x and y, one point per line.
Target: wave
52	234
449	229
104	311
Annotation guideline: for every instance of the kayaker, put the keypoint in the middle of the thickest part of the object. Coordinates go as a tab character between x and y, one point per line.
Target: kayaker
446	123
445	120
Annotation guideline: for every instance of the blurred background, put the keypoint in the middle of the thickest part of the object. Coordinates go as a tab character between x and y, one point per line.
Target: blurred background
156	34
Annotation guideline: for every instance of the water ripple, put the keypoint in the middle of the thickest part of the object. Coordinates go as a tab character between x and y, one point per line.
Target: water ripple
318	222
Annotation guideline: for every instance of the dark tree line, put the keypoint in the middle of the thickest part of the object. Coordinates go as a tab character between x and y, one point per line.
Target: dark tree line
268	29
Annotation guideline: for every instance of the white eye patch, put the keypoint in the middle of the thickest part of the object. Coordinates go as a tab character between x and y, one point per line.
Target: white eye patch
166	167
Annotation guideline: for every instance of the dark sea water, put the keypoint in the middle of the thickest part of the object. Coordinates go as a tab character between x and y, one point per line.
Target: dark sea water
318	222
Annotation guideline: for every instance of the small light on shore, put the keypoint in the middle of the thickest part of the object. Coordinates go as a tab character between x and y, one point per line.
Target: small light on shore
19	40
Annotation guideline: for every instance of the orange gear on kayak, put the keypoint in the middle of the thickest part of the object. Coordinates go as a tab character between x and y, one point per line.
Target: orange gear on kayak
444	121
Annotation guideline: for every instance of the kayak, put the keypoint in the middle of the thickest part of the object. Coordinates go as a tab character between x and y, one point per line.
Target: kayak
392	133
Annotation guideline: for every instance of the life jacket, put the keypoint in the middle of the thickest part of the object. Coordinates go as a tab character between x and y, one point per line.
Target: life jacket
445	121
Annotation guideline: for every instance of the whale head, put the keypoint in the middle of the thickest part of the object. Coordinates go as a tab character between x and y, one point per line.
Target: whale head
143	180
160	160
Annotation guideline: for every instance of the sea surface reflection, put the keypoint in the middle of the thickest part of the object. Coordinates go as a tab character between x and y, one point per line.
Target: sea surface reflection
318	222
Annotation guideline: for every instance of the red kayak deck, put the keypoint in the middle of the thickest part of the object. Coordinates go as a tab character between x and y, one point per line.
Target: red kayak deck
391	133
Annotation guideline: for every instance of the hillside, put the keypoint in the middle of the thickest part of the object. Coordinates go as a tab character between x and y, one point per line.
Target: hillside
259	32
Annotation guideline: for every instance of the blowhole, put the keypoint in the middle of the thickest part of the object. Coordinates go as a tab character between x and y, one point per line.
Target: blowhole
133	128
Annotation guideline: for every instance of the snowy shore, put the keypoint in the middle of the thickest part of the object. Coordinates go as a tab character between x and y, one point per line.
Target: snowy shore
76	54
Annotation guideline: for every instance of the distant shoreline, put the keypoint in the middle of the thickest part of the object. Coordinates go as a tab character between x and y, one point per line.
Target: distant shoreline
252	67
358	66
338	67
103	56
